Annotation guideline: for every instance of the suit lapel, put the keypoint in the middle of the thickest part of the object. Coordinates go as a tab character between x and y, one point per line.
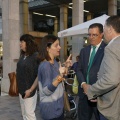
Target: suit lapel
99	51
87	56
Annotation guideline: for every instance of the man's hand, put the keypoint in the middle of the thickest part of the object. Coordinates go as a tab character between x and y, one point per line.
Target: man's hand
95	100
85	87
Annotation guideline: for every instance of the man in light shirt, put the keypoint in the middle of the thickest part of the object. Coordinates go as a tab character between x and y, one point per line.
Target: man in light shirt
88	66
107	88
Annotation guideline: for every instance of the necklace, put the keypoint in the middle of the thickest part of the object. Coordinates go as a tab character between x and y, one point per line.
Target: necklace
25	57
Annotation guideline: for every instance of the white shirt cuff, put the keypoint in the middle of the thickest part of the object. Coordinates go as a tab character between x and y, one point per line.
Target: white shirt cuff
82	84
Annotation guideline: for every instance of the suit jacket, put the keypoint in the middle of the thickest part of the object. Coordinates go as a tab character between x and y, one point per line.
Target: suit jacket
108	85
83	66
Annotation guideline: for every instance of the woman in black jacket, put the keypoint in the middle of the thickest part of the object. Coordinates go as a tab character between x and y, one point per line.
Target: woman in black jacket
27	69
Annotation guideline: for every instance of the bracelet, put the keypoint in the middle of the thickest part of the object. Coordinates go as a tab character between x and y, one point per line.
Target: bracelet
59	78
61	75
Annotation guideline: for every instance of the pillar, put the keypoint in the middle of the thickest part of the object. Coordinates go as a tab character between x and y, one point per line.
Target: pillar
10	37
24	11
55	26
77	18
112	7
77	12
63	26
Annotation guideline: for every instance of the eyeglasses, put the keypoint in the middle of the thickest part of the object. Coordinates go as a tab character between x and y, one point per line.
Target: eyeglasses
92	35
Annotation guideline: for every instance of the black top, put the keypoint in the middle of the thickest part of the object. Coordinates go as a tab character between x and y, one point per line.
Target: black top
27	69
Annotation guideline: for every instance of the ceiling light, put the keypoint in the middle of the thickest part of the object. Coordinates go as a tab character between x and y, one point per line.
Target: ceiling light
37	13
50	15
85	11
70	3
69	7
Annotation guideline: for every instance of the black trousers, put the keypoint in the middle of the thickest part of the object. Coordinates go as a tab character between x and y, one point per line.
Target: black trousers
86	109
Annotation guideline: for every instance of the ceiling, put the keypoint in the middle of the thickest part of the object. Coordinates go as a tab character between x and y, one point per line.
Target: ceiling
52	7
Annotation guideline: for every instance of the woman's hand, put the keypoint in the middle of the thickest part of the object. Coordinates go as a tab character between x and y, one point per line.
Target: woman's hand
62	70
68	62
27	93
57	80
64	67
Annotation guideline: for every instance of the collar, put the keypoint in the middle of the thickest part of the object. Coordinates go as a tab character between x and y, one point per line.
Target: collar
113	39
98	45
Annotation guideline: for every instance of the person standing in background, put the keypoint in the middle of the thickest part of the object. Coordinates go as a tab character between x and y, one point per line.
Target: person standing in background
27	69
74	66
88	66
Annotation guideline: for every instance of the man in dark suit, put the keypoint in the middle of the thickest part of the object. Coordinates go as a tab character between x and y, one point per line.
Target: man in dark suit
88	66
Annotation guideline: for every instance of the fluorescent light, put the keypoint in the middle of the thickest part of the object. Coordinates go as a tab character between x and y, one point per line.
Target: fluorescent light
37	13
42	14
70	3
69	7
85	11
50	15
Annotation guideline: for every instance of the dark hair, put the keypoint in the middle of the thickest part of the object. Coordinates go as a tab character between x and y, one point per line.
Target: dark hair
31	46
47	41
77	56
98	25
114	21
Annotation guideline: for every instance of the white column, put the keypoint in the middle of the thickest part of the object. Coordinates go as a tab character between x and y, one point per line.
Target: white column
63	25
10	37
0	20
77	12
77	18
0	3
112	7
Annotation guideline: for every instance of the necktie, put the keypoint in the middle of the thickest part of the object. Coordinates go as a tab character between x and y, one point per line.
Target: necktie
90	63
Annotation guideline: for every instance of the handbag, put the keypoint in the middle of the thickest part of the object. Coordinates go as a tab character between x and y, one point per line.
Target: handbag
66	100
75	85
13	90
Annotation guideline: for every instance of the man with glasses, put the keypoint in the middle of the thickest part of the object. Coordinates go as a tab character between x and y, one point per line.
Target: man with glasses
88	66
107	88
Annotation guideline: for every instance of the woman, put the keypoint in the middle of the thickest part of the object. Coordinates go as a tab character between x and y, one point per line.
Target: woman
50	76
27	69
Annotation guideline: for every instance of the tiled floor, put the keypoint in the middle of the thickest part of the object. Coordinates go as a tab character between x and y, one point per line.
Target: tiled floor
10	108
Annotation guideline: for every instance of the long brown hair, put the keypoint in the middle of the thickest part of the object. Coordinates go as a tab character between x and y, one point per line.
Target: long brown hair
47	41
31	46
